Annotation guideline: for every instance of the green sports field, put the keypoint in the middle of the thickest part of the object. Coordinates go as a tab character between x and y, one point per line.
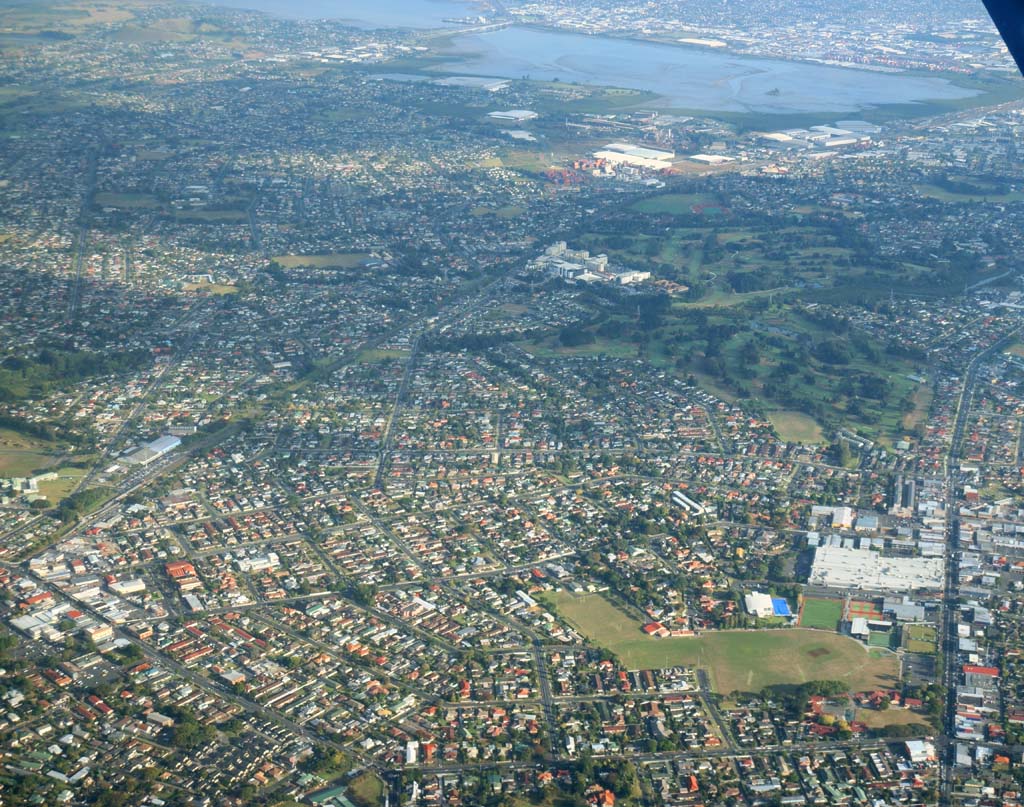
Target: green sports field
880	638
796	427
821	614
735	660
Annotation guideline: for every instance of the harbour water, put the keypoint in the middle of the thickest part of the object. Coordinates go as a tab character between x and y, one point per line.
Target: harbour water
686	77
689	77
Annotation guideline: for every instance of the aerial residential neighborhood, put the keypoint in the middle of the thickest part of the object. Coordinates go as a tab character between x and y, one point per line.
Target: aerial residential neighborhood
407	408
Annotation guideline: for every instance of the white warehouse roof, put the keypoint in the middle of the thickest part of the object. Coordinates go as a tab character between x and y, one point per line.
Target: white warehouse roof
847	568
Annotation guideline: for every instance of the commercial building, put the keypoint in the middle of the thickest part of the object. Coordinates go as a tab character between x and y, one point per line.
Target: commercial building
920	751
863	569
759	604
134	586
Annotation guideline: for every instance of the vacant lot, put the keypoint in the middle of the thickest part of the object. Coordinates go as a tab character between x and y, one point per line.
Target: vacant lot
922	400
876	719
338	260
366	789
796	427
920	638
735	660
823	614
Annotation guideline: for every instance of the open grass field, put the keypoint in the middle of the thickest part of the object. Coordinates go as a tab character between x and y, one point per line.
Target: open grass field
212	215
674	203
1016	349
366	790
552	797
21	463
11	440
714	386
880	638
944	195
513	309
212	288
796	427
922	401
729	299
127	201
348	113
920	639
339	260
598	618
20	454
877	718
600	347
923	633
507	212
822	614
735	660
376	355
173	29
74	17
61	487
505	313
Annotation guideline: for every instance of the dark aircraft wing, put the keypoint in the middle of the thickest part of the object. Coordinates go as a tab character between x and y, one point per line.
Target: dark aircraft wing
1008	15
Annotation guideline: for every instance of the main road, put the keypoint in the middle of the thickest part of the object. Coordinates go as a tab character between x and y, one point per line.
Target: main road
948	606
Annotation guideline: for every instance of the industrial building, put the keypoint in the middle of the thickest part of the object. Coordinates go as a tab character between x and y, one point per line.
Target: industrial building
153	451
637	156
516	115
712	159
864	569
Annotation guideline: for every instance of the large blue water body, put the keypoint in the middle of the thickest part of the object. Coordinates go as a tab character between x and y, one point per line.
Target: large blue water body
694	78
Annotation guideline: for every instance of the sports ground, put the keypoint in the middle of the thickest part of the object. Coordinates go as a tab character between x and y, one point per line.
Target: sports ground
745	661
865	608
821	614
